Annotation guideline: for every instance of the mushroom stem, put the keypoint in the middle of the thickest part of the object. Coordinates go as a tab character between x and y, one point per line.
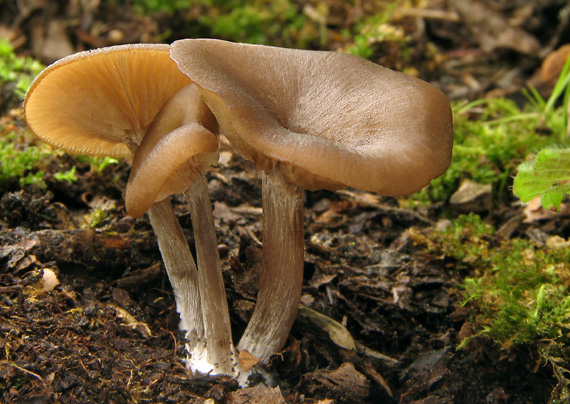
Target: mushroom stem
221	352
183	276
282	277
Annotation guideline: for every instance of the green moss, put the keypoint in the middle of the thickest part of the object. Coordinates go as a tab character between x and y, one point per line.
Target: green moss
371	30
518	292
494	136
145	7
23	163
19	161
16	73
279	23
70	175
97	163
97	217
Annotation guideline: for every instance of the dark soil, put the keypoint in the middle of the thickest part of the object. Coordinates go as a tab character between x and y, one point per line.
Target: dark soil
108	332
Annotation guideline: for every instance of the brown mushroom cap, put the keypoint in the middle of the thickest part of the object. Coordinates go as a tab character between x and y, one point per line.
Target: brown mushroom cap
102	102
179	143
332	120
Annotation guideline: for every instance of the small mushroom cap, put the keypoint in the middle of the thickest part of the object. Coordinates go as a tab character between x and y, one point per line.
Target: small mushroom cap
101	102
178	145
330	120
170	167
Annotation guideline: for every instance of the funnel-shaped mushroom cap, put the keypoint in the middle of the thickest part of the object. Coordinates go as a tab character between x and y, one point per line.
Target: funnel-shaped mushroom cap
332	120
101	102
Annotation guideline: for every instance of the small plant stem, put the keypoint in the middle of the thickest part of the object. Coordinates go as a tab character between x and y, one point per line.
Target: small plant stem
567	99
283	259
221	352
182	272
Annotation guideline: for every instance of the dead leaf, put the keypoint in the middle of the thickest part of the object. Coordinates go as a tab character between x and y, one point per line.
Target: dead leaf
552	65
52	43
257	395
344	383
247	360
362	349
322	279
472	197
336	331
534	211
378	378
492	29
131	322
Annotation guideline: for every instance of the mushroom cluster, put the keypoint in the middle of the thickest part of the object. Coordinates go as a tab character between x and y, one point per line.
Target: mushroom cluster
306	119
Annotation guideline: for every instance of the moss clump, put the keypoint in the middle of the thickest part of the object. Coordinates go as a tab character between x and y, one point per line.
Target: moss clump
518	292
16	74
19	161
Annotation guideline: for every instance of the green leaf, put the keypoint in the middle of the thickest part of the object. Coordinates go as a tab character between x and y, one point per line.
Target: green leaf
548	176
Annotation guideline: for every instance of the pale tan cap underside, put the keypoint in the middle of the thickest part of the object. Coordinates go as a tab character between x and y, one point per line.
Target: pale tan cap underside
101	102
332	120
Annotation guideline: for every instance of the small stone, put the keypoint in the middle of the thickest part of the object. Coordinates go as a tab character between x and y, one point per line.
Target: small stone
472	197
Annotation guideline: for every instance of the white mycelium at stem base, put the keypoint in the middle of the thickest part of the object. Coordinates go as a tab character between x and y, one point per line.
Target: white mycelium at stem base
215	313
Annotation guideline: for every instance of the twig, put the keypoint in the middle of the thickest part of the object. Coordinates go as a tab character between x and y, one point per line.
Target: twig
431	14
175	342
46	387
11	289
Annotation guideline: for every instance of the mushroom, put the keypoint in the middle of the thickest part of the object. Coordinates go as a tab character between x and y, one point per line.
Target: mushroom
132	101
314	120
175	150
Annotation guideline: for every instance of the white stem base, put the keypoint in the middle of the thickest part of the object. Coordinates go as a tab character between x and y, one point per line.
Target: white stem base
221	352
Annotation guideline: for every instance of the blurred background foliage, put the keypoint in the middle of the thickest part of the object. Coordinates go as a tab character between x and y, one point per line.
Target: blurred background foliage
378	30
497	124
